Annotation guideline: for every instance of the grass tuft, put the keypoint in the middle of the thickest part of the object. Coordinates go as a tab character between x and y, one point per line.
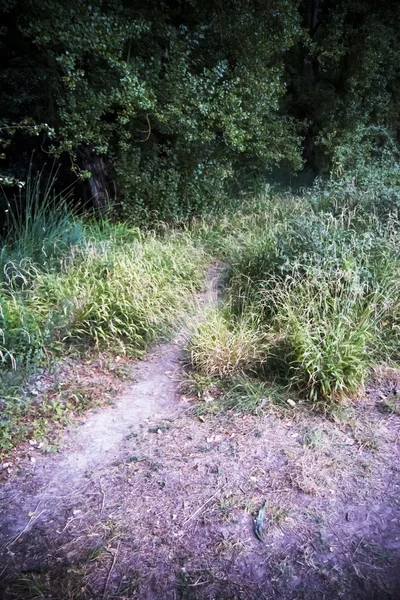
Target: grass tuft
222	347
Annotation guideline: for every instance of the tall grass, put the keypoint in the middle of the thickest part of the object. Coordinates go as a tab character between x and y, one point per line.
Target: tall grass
119	294
220	346
311	286
40	228
324	282
69	281
70	284
114	294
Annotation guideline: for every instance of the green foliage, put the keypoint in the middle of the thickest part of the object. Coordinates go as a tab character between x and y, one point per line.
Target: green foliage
180	97
40	228
343	82
328	323
184	100
323	288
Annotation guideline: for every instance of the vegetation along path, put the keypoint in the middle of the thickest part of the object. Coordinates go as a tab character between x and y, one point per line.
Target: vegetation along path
255	455
148	500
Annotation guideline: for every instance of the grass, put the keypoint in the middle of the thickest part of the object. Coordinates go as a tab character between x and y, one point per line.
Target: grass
119	294
115	295
70	285
310	302
311	295
40	228
37	417
123	294
221	347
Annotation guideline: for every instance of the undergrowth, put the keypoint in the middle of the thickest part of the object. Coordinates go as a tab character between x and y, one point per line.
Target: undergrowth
310	302
70	284
320	281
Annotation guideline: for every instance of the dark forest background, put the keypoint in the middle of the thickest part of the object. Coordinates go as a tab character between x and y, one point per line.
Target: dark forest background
166	107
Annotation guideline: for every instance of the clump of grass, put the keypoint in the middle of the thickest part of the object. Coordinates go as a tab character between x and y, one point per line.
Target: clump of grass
239	393
40	227
329	327
222	347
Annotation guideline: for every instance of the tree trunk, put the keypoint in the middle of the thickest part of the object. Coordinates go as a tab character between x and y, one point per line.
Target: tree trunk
99	188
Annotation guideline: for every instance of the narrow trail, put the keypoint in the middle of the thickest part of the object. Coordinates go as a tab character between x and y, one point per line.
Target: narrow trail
99	441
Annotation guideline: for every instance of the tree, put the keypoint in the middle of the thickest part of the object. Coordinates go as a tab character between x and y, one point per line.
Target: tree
344	80
176	97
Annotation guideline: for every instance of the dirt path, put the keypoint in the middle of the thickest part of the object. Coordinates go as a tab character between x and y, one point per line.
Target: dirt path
98	442
147	501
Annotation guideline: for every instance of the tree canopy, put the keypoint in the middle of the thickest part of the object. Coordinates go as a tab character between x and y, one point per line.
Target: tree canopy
179	98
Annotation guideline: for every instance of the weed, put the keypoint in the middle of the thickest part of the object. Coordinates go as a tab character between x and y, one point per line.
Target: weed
390	406
160	428
187	583
228	504
367	435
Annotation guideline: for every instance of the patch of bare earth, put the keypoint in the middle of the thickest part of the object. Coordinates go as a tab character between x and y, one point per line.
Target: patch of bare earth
147	501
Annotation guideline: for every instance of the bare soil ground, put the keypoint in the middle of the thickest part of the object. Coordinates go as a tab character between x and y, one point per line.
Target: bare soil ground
146	500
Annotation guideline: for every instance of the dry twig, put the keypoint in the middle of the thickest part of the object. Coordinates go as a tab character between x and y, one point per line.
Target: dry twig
111	570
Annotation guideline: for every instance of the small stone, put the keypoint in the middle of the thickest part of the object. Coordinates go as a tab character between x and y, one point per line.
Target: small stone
349	441
291	403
